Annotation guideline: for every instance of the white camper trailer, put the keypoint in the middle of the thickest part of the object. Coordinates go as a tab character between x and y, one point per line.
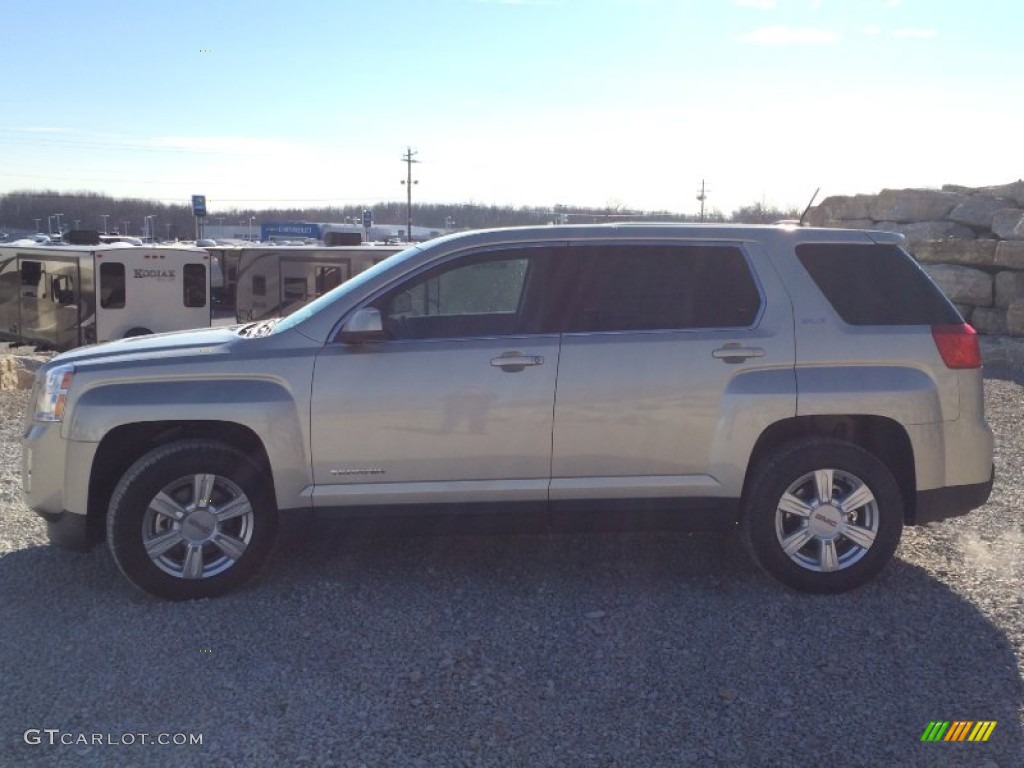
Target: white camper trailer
59	297
272	282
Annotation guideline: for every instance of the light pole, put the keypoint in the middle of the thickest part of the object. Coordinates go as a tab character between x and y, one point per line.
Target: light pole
77	222
126	223
251	220
37	224
104	216
407	158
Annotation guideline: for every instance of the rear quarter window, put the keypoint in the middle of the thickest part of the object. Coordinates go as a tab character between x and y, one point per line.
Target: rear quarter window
869	284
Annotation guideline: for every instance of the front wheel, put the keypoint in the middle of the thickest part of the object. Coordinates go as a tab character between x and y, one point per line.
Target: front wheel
191	519
822	515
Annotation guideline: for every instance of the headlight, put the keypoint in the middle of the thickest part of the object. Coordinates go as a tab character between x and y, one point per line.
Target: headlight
53	394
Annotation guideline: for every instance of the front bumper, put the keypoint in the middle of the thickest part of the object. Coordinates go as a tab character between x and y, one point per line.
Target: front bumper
55	484
941	503
69	531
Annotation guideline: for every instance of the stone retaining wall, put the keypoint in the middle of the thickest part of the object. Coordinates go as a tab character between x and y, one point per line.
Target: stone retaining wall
971	241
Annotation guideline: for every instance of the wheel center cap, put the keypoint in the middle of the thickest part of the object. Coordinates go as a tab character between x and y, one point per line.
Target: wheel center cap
198	525
825	521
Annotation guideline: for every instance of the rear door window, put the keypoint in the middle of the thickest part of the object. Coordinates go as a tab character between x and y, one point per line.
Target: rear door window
663	287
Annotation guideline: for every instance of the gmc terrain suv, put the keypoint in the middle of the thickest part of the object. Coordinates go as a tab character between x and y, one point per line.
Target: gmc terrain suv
810	387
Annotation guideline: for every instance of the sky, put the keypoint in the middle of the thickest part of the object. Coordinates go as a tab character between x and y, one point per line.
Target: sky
630	103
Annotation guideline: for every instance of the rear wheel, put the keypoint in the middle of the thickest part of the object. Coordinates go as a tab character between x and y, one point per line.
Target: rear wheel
822	515
191	519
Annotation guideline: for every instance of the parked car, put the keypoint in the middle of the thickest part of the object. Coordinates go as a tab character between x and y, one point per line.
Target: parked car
811	388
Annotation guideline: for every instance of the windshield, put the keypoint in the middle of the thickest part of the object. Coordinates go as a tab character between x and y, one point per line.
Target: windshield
331	296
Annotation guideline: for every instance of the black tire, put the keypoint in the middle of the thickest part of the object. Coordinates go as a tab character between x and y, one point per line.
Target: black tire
169	542
137	332
833	549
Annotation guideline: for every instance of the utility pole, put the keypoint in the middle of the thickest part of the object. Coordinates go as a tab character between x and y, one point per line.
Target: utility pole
104	216
702	196
407	158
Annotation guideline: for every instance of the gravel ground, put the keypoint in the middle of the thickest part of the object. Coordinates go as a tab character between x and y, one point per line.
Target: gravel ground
596	649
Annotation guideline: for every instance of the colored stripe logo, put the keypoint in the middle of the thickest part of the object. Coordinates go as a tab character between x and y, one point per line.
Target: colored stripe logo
958	730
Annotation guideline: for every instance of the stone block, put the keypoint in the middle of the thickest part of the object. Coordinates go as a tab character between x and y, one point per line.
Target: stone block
1013	191
977	211
906	205
968	253
18	371
1015	318
1010	254
837	210
990	321
919	231
963	285
1009	286
1008	224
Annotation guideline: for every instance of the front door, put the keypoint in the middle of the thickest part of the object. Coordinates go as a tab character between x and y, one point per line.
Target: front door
456	405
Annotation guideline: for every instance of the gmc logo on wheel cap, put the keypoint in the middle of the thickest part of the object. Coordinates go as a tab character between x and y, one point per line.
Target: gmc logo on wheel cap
819	516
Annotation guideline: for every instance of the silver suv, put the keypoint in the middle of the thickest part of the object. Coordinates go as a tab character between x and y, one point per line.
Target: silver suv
810	387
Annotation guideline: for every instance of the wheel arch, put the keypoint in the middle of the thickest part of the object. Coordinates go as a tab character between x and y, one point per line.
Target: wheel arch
882	437
124	444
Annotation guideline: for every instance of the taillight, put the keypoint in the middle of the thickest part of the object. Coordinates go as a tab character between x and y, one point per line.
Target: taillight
958	345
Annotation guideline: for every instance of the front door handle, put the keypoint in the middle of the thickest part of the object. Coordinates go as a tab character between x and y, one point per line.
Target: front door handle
735	352
513	362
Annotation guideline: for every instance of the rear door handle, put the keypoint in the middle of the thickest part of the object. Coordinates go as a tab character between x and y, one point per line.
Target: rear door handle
513	362
736	353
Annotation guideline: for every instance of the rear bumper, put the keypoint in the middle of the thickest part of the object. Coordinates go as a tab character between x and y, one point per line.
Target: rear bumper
941	503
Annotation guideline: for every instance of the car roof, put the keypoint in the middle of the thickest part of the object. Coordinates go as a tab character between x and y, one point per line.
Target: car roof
789	233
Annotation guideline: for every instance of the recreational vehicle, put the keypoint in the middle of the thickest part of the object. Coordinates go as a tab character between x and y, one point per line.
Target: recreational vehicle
59	297
272	282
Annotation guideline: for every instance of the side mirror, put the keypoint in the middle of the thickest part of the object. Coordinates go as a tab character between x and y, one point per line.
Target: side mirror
364	325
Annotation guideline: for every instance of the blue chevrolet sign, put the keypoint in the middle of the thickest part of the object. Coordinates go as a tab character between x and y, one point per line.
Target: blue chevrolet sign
198	205
271	229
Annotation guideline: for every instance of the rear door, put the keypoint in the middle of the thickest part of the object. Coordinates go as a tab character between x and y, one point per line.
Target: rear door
667	348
